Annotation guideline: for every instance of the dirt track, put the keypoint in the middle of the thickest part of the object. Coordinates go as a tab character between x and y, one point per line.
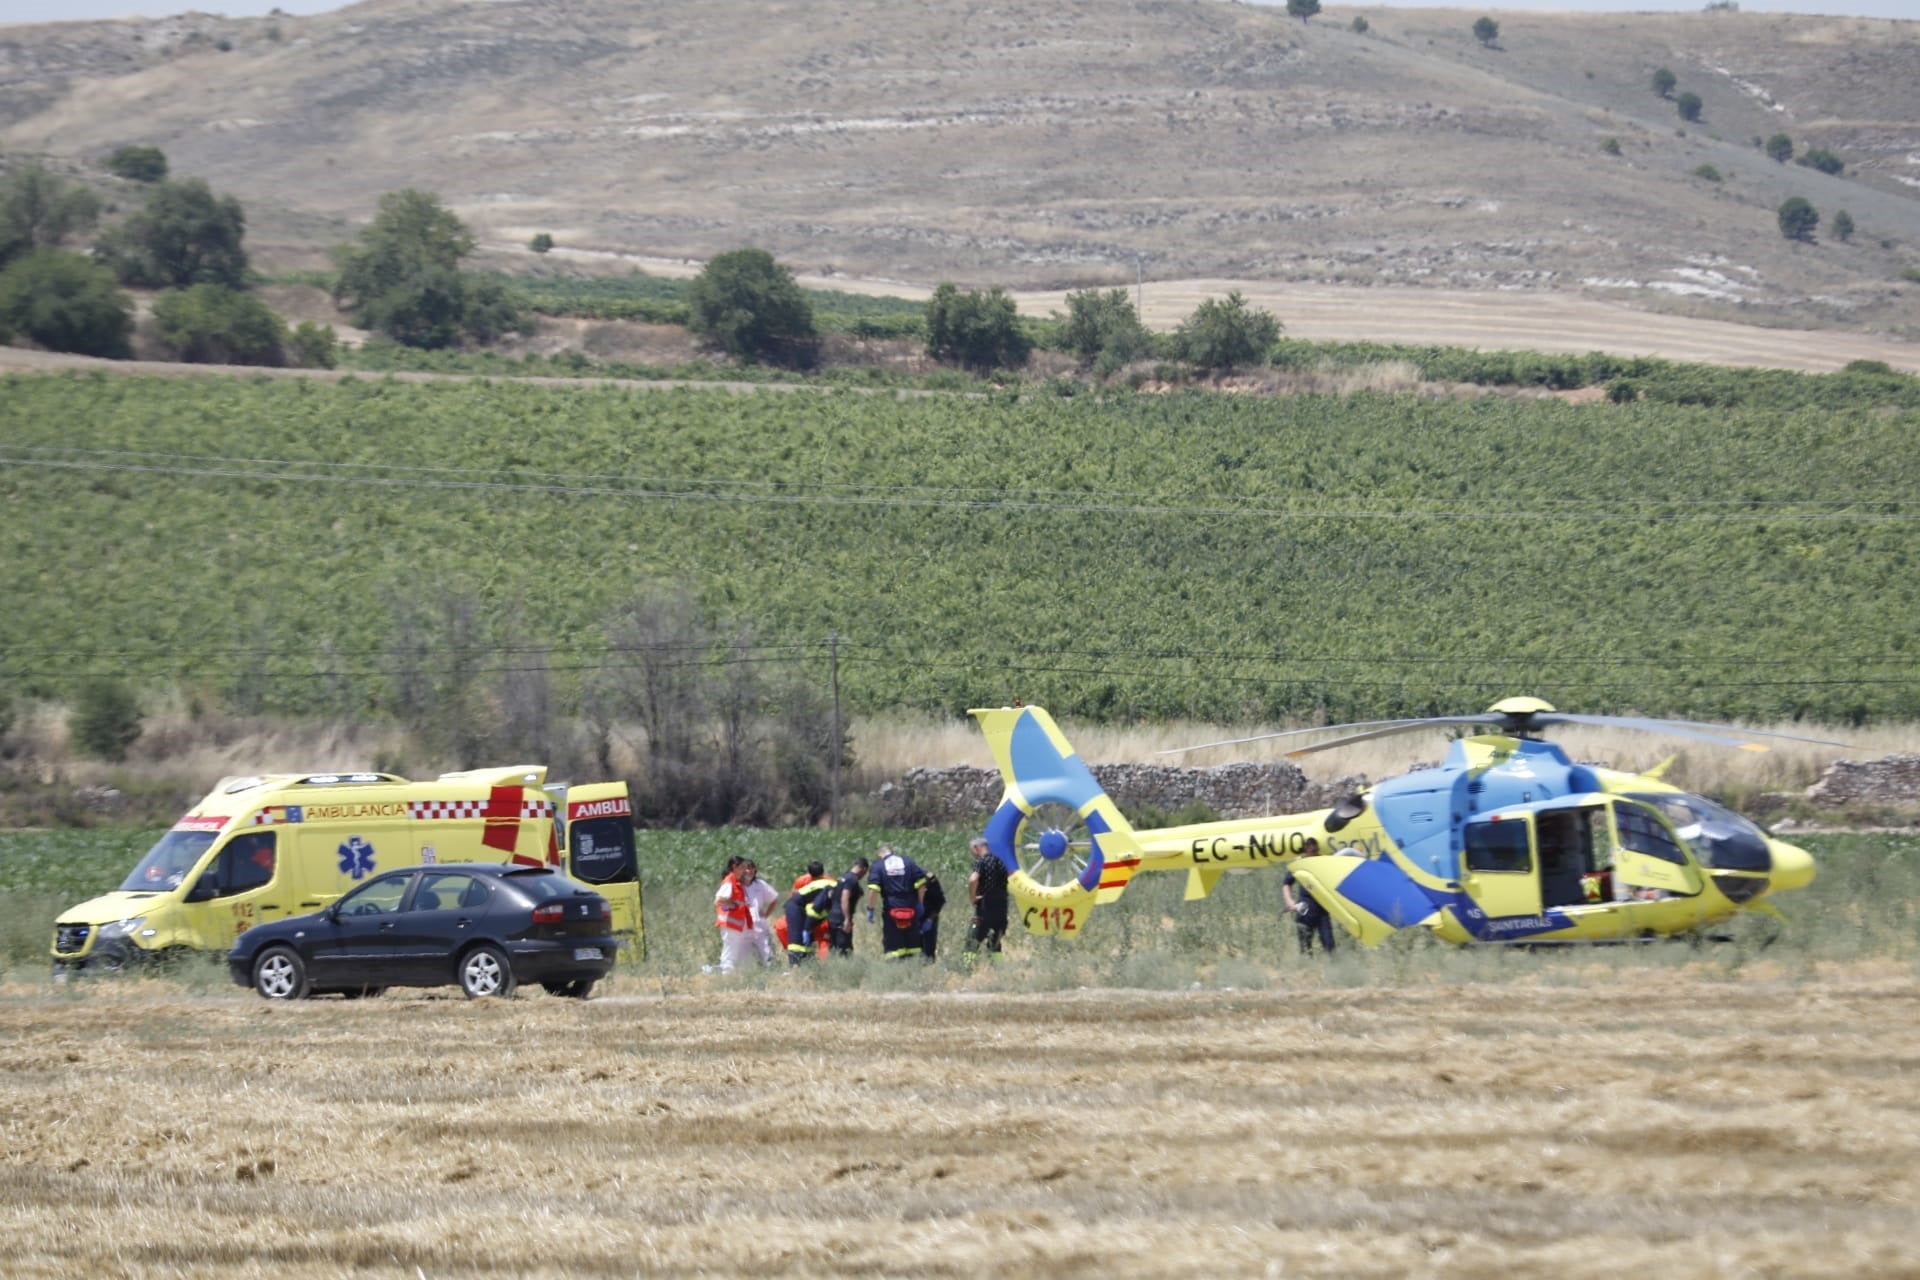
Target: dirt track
1590	1120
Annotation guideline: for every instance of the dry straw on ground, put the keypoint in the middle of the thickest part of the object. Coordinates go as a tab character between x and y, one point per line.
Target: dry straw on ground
1589	1120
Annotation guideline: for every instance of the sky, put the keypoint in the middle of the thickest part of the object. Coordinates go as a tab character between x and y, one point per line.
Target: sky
52	10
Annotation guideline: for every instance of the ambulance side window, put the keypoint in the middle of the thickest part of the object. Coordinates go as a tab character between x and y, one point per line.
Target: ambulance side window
246	863
601	850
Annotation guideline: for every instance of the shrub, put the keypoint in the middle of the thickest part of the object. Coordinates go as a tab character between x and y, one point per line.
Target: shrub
1824	160
748	305
106	720
313	346
541	243
1688	104
1103	328
1879	368
1708	172
1843	226
1225	334
1610	145
66	302
403	278
212	324
1798	219
185	235
39	210
1359	24
1779	148
975	330
1664	81
138	164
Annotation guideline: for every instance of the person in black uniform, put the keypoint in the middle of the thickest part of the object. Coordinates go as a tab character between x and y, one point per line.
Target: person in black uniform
901	887
932	903
1309	917
845	901
987	888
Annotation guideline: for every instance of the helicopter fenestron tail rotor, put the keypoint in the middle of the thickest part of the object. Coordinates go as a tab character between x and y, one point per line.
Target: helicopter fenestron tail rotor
1520	718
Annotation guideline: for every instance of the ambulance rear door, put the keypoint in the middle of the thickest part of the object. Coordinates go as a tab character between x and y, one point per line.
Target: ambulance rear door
599	850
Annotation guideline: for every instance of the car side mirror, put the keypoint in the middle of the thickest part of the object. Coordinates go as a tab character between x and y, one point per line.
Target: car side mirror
204	890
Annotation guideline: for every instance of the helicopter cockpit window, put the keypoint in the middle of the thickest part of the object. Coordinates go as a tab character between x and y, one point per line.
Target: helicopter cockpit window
1642	832
1497	846
1719	837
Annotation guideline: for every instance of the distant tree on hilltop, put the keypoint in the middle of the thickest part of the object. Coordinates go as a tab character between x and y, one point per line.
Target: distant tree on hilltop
1303	9
138	164
1486	31
1798	219
1663	82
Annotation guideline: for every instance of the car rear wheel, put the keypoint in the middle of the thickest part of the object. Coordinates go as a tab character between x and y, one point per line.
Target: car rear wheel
280	974
578	989
484	971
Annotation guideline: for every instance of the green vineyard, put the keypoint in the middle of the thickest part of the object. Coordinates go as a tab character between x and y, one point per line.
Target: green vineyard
1113	556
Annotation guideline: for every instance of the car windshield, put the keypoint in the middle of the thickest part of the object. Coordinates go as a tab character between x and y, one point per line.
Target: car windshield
168	862
1717	835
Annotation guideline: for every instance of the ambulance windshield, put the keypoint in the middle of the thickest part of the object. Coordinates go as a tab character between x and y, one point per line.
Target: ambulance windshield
168	862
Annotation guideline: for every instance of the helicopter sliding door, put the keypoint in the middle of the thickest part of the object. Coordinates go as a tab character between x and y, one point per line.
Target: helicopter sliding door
1497	866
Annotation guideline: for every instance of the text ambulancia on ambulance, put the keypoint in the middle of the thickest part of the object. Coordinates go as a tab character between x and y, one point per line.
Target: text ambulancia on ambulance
260	848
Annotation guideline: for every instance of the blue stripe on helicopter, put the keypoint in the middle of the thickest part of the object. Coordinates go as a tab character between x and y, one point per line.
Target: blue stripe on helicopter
999	833
1505	928
1383	891
1042	772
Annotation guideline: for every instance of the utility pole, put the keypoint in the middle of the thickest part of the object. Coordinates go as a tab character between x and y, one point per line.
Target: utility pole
833	794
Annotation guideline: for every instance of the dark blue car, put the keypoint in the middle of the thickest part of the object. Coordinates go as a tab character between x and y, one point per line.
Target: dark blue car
485	926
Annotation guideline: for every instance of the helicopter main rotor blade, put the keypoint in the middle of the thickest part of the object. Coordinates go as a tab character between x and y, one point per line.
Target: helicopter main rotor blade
1290	733
1706	731
1404	726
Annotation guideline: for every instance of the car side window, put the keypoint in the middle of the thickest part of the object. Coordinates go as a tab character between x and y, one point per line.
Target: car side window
380	898
444	891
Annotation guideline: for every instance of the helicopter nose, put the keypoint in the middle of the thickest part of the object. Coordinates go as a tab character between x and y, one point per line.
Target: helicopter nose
1792	866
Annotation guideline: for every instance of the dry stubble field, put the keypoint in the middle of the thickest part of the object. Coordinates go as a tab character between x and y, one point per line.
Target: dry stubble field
1588	1118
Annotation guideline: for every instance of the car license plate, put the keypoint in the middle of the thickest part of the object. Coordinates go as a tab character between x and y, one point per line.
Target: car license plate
586	953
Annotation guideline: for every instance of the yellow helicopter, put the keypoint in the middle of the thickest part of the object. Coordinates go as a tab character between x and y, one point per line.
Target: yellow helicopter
1508	840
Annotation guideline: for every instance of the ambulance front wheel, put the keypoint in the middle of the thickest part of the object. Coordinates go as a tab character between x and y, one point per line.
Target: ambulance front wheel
484	971
280	974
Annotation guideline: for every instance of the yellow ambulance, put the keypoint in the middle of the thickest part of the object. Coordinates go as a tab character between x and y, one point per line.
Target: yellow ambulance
259	848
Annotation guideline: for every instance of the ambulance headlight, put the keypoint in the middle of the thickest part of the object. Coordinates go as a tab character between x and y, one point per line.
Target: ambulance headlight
122	928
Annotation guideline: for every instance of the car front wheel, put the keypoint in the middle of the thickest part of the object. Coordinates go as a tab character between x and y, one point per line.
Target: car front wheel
280	974
484	971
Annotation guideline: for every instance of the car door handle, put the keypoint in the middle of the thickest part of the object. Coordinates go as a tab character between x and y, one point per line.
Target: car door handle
463	922
387	927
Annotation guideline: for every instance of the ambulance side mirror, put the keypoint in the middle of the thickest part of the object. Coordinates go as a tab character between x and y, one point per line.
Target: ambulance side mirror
204	890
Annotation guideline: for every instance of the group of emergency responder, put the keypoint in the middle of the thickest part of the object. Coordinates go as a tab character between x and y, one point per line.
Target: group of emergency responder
821	910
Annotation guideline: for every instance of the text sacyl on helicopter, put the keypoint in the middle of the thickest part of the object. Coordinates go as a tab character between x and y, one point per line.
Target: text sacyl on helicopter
1508	840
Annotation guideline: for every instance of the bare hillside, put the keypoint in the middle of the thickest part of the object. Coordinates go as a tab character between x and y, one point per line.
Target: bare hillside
1052	143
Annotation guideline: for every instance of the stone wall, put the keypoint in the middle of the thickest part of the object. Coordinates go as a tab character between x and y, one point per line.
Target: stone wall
1891	780
965	795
